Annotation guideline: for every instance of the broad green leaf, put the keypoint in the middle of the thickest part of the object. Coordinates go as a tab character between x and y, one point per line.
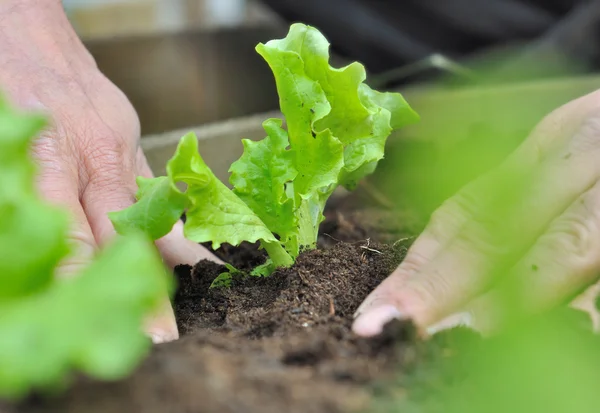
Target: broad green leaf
33	239
259	178
160	205
89	323
120	288
214	212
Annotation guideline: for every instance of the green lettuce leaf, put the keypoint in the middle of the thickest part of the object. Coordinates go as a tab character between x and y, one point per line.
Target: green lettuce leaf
318	155
360	118
90	323
337	125
260	176
214	213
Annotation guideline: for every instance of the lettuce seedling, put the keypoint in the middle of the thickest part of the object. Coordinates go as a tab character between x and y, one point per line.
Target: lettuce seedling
52	326
336	129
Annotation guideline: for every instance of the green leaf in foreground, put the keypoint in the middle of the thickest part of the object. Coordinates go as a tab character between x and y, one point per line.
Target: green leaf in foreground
336	129
90	323
51	327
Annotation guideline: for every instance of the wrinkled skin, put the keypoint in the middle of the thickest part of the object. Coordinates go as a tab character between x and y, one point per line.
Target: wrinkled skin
516	242
90	155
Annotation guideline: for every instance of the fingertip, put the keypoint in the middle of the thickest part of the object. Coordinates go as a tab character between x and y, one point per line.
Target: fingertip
162	326
371	322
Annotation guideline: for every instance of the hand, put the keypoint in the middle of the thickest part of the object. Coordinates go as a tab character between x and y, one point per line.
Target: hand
90	155
514	243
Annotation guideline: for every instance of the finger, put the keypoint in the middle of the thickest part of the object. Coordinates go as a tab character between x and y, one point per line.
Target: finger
161	326
174	247
494	240
111	187
451	269
563	263
449	219
381	306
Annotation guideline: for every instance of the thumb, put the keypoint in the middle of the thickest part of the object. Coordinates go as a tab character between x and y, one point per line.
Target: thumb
103	195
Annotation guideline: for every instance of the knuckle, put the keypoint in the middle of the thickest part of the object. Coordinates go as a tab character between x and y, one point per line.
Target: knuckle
466	203
485	233
587	137
48	154
565	122
83	240
54	166
574	239
477	226
453	213
106	156
413	262
443	218
424	299
107	162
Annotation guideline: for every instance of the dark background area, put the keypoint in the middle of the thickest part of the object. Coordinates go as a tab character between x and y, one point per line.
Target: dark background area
389	34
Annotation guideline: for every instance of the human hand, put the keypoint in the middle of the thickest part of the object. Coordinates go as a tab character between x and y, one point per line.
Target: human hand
514	243
90	155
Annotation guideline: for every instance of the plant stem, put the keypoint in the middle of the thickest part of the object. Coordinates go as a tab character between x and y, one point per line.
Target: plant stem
307	229
278	254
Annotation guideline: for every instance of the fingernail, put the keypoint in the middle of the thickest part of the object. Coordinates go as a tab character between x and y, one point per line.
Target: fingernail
157	339
162	338
371	322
